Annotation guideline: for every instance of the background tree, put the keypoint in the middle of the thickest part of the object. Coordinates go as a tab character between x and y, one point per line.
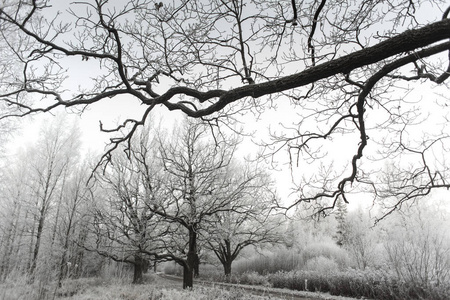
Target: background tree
15	217
249	220
361	240
197	185
342	224
124	227
343	68
55	154
417	245
71	230
43	201
185	180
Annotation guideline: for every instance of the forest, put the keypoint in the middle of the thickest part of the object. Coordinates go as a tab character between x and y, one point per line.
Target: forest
295	145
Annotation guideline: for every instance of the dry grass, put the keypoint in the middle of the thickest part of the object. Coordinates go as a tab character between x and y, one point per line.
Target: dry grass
154	288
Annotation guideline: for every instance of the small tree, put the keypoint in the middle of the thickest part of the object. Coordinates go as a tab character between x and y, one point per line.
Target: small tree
361	239
15	217
342	226
76	195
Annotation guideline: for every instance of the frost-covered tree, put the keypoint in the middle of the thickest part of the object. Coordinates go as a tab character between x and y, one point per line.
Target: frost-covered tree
249	219
417	244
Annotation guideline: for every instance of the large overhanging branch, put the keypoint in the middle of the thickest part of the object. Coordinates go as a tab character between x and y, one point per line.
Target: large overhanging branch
408	41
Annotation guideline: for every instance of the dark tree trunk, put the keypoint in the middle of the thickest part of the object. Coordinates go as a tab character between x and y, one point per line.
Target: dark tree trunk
38	243
188	278
63	271
192	257
227	268
227	256
139	266
196	265
79	258
145	266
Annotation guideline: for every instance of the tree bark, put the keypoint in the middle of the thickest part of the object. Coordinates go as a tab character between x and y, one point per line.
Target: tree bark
196	265
227	268
145	266
139	266
8	242
38	242
226	256
192	259
188	278
79	256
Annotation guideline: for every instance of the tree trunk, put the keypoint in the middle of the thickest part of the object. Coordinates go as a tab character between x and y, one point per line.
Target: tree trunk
145	266
139	265
79	257
37	245
33	229
62	268
227	268
192	257
196	265
226	256
8	242
188	278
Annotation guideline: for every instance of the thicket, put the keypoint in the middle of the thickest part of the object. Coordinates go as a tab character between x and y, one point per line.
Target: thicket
349	283
357	284
417	269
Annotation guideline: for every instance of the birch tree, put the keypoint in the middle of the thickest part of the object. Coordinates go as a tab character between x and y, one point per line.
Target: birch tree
54	154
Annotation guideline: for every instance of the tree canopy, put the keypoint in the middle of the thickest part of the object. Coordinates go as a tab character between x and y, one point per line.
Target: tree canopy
344	67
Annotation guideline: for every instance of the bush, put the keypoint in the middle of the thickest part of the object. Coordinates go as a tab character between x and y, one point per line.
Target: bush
357	284
172	268
70	287
19	285
326	249
321	264
318	256
253	278
282	260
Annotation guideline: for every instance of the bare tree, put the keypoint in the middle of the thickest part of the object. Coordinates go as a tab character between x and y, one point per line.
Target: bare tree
197	187
250	219
417	245
15	214
360	239
73	212
186	181
33	201
54	154
344	66
124	227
